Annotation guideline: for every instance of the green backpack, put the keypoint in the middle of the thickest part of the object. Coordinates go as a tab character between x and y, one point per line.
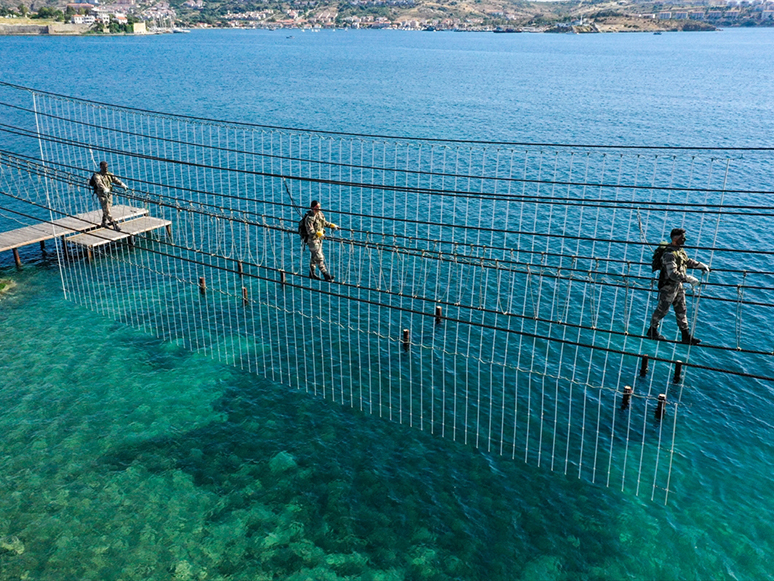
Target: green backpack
658	255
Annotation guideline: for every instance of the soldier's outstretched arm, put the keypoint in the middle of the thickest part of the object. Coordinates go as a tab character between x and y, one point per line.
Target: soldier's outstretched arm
691	263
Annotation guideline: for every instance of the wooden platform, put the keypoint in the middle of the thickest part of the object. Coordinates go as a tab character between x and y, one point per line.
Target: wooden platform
50	230
129	228
131	220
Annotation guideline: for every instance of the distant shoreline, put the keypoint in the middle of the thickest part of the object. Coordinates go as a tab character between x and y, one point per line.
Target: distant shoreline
67	29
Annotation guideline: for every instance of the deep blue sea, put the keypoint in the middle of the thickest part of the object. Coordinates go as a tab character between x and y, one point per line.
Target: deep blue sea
123	457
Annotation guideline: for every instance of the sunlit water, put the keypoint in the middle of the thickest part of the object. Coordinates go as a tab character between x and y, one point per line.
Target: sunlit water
124	457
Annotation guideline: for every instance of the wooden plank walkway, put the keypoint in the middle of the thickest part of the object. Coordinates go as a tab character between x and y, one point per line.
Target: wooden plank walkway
63	226
86	227
129	228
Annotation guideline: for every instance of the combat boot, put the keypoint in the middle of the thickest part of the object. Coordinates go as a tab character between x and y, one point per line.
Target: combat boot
313	274
688	339
328	277
655	335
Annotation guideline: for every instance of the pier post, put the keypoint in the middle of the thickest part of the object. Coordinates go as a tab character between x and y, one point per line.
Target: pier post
89	254
245	301
42	245
169	231
678	371
438	315
644	366
627	397
202	285
406	340
65	252
240	270
660	411
282	277
16	257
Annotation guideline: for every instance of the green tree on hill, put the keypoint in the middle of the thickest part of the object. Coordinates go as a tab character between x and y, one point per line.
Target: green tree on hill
52	13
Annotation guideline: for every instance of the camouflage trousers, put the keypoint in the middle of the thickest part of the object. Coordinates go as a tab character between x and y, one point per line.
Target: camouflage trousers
674	295
318	258
106	201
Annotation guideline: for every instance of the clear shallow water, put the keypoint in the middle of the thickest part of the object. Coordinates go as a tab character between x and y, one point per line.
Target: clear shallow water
127	458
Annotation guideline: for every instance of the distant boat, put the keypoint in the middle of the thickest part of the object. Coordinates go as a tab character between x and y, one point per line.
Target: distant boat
657	32
506	30
291	36
180	31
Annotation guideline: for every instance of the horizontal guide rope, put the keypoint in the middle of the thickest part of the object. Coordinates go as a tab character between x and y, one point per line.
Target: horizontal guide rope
684	207
80	183
414	189
547	271
367	136
430	301
509	180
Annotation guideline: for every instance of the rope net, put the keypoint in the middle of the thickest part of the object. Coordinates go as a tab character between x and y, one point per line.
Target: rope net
538	258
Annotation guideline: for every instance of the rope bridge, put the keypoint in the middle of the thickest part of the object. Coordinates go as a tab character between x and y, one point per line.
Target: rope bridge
495	294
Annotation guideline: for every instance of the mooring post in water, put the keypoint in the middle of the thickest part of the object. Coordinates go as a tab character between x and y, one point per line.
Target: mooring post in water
169	231
89	254
240	270
627	397
644	366
282	277
42	245
202	285
678	371
438	315
244	295
406	341
16	257
660	411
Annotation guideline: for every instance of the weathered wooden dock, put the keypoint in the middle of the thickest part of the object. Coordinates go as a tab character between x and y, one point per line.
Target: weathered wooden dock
83	230
129	228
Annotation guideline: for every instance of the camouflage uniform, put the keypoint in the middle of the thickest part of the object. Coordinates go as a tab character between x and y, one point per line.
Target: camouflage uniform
315	224
102	184
670	283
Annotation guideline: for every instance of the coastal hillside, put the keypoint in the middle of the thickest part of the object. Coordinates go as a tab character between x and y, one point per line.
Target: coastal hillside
495	15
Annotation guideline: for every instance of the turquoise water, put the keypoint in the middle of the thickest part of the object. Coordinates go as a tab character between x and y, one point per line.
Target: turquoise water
128	458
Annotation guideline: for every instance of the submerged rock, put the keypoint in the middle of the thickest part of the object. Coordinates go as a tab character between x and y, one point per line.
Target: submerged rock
11	545
282	462
183	571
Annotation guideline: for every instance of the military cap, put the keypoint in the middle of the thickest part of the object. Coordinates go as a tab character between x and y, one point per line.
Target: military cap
677	232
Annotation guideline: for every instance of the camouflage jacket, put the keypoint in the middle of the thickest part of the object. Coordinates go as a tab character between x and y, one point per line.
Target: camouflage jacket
103	183
675	262
315	223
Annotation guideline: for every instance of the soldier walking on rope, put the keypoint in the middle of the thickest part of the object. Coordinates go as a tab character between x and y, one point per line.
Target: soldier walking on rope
674	262
102	184
314	224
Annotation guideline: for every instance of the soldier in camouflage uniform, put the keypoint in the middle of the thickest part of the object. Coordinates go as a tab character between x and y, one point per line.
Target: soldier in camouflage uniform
315	224
670	283
102	184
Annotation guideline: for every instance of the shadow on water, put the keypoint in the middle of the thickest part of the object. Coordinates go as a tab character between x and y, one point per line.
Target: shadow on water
400	498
